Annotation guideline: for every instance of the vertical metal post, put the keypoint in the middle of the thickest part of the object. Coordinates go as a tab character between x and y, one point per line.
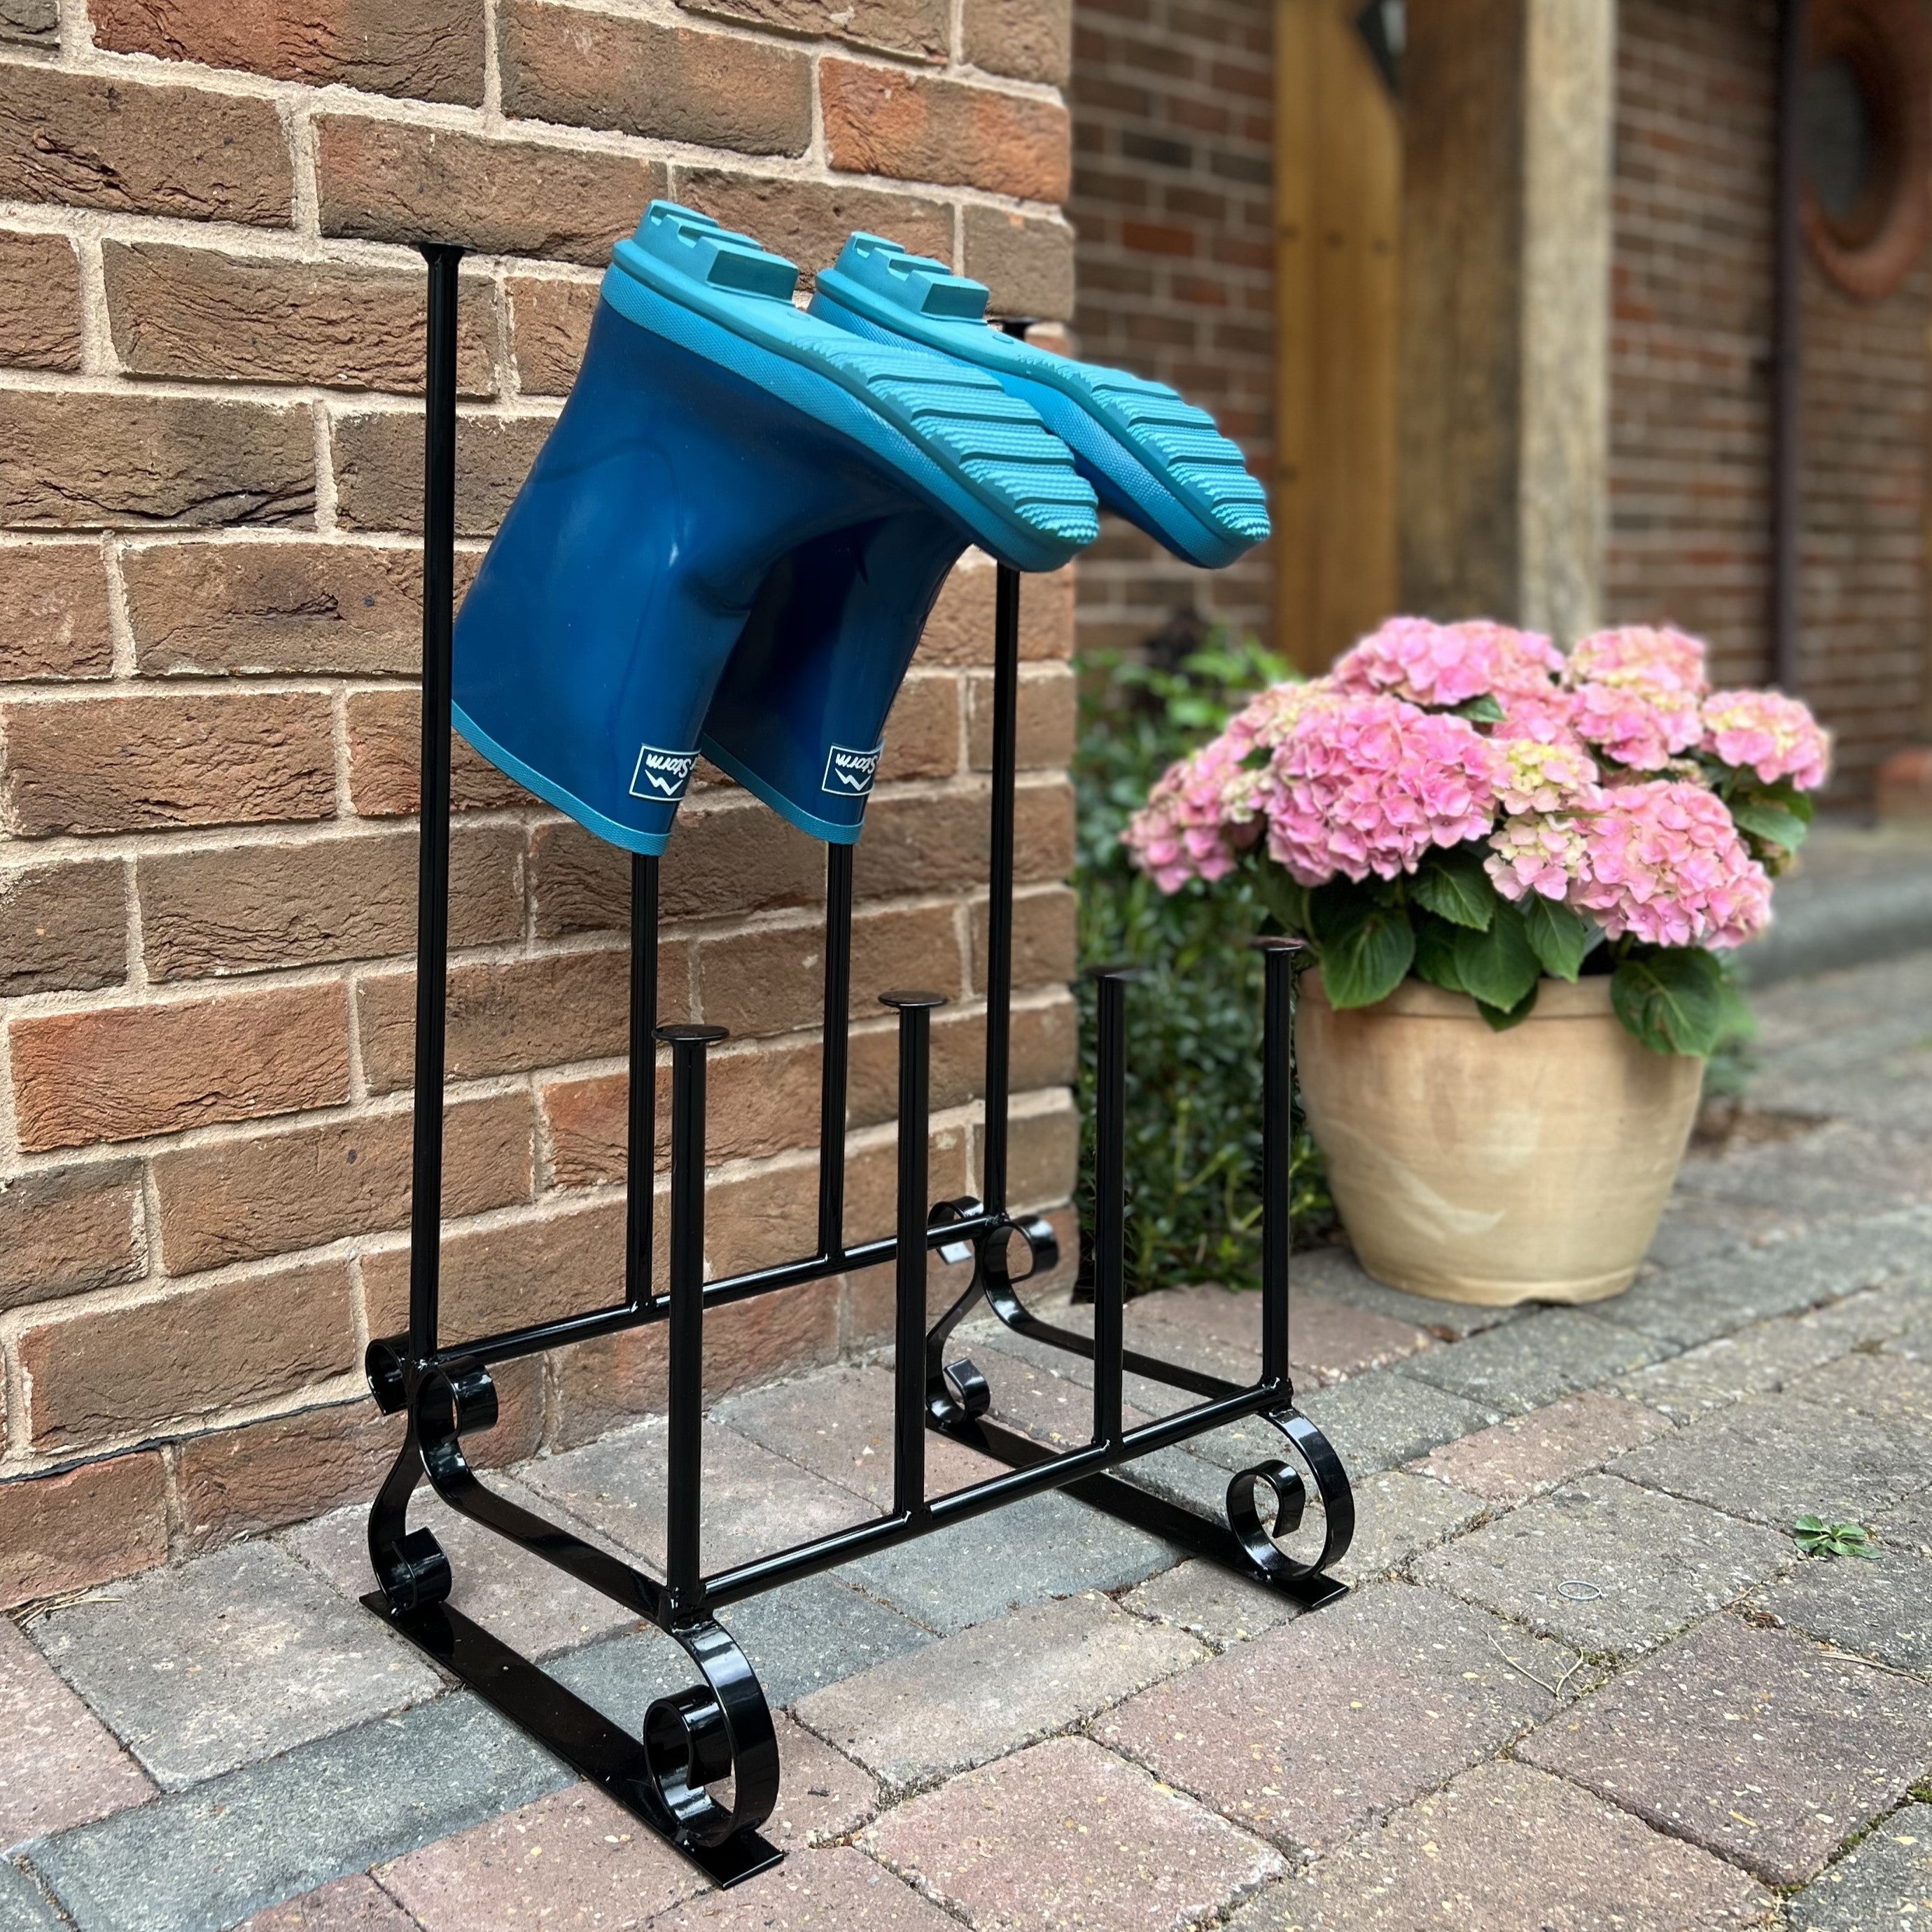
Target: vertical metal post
433	860
1787	358
915	1011
640	1147
1277	1148
1000	901
685	1476
836	1033
1110	1199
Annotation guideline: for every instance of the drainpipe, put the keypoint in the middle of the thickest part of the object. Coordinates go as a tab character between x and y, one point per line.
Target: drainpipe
1787	503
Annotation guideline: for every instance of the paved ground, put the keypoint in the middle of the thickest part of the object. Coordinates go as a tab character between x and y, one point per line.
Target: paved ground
1587	1680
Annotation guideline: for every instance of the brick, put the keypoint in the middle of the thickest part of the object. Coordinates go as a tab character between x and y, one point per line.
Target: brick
269	1193
81	1527
39	300
429	52
1528	1455
1044	942
1031	40
1044	719
885	121
960	630
1014	1843
771	980
1209	1602
59	1765
31	23
1041	1054
1874	1608
585	69
385	761
379	473
196	313
104	1373
128	461
385	181
63	928
68	1230
277	608
199	758
937	842
127	148
806	221
1397	1516
1507	1845
922	738
1533	1360
839	1887
1043	1153
1397	1690
550	322
920	27
1568	1566
505	1017
1753	1743
120	1072
1884	1877
242	908
356	1904
53	612
1381	1420
986	1691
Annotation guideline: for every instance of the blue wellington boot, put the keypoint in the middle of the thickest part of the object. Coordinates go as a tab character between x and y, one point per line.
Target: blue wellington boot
713	429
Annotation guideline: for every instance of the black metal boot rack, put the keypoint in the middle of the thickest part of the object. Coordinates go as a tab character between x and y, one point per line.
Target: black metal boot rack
721	1732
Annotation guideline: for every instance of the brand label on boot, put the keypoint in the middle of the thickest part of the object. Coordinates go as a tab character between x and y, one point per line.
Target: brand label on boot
661	774
849	774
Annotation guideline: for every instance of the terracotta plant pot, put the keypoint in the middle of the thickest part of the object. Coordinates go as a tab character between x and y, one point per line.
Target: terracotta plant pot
1474	1166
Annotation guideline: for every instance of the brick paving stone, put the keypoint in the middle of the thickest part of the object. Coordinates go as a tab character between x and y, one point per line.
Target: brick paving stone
1910	1526
994	1688
210	1856
1885	1880
1180	1476
1879	1607
839	1425
798	1640
1064	1833
1756	1360
23	1906
1840	1168
836	1891
531	1606
1532	1454
1219	1330
1396	1514
1774	1460
1047	1545
1531	1361
1606	1566
1311	1732
357	1904
1695	1228
1890	1388
59	1765
1506	1847
755	1502
1210	1603
1381	1420
993	1346
234	1656
1755	1743
1687	1305
1334	1274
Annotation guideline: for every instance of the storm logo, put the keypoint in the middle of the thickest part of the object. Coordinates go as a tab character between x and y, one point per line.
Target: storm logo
661	774
849	774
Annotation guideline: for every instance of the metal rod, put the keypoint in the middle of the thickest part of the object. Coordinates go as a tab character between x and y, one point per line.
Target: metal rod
685	1475
1787	359
915	1011
1000	897
641	1149
836	1050
439	599
1277	1148
1110	1200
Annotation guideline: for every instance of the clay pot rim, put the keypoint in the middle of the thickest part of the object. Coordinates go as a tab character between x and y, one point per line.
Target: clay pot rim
1586	999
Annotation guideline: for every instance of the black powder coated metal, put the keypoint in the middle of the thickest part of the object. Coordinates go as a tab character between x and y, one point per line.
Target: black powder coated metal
717	1735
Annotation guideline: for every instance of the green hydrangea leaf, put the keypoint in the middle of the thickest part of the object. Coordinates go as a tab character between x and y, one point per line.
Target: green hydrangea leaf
1500	966
1453	886
1672	998
1560	938
1366	950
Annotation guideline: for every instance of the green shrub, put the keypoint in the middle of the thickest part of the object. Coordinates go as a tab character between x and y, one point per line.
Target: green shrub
1194	1073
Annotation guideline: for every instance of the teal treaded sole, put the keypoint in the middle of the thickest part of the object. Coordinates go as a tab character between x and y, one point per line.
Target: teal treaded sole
978	453
1157	460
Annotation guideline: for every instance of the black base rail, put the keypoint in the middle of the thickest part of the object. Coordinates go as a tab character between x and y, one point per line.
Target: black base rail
704	1774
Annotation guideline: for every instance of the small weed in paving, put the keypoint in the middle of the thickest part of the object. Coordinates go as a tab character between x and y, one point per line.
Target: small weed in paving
1816	1537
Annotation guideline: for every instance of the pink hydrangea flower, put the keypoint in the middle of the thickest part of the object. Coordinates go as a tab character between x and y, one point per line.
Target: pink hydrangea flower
1638	721
1447	664
1185	830
1767	732
1653	653
1665	863
1538	853
1545	770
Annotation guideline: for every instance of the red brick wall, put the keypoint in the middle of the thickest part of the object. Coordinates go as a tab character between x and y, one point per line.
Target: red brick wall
1173	159
1690	393
210	473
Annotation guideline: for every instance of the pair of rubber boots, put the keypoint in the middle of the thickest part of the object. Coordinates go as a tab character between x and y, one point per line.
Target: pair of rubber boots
733	537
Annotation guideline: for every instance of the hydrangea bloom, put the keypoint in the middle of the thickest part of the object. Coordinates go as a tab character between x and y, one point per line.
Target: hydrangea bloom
1665	863
1767	732
1546	770
1655	654
1184	831
1640	721
1538	853
1447	664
